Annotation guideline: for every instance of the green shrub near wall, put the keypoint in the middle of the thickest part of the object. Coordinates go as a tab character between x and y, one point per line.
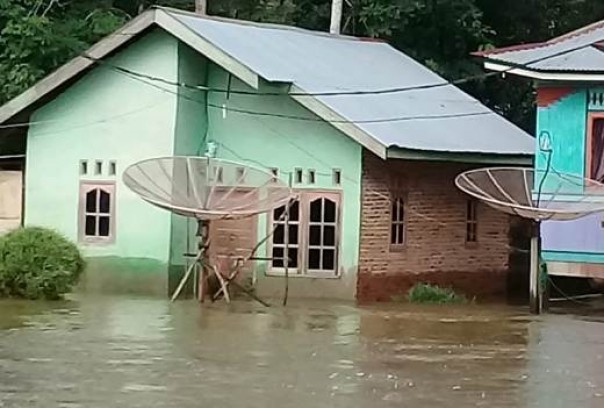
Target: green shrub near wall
38	263
426	293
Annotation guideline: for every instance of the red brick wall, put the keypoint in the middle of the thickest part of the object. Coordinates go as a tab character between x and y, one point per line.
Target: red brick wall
435	250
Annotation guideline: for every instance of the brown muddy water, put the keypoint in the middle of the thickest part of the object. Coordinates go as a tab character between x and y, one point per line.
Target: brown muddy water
124	352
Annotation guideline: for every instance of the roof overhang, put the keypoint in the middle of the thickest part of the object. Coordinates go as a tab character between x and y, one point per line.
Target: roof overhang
543	75
461	157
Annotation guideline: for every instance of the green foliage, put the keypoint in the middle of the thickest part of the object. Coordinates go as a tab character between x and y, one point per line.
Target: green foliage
36	36
37	263
426	293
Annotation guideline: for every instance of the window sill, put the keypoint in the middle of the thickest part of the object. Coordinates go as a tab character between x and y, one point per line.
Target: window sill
472	245
96	242
397	248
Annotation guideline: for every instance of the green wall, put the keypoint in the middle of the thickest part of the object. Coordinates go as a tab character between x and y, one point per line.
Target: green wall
565	120
286	144
106	116
190	135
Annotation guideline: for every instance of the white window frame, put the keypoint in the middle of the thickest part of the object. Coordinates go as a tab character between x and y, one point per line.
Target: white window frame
305	197
85	188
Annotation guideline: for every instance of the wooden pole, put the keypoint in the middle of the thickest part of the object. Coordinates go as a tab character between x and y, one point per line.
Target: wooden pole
203	234
336	16
535	285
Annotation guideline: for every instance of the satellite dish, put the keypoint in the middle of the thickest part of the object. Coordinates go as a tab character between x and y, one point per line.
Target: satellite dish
206	188
536	195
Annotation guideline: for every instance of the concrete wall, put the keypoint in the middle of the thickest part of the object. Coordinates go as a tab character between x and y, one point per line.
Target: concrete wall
107	116
286	144
435	249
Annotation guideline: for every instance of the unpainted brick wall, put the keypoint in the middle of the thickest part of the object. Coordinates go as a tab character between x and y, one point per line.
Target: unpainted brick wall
435	249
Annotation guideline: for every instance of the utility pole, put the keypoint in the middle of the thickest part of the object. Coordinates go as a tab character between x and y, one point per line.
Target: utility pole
201	7
336	16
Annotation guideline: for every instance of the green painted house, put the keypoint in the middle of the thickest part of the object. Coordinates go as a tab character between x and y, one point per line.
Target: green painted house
370	139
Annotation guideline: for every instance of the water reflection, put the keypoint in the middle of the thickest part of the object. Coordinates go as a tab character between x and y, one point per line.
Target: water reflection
116	352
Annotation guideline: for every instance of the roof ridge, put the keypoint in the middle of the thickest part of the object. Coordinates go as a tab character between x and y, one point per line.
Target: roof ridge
552	41
576	33
274	26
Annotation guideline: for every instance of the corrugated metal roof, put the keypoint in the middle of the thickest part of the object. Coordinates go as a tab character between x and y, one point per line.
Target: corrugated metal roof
570	52
318	62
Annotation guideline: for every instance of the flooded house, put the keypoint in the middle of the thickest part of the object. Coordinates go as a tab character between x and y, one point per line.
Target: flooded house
370	140
567	76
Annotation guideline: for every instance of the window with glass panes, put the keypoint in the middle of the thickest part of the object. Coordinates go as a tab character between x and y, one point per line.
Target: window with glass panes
286	235
97	212
397	222
312	238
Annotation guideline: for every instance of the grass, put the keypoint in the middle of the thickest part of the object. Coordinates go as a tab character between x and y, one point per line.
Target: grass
433	294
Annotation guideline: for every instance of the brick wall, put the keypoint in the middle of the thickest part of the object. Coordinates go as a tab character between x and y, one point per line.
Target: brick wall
435	249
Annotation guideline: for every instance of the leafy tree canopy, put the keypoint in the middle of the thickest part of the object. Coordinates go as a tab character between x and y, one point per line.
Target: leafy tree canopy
36	36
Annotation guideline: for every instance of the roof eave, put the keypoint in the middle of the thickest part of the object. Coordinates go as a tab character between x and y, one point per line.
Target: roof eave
502	67
520	159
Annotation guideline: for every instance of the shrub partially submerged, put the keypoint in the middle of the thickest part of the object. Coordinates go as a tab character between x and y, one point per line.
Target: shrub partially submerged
37	263
426	293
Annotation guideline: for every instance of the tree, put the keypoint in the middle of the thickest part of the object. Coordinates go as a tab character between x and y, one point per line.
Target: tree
36	36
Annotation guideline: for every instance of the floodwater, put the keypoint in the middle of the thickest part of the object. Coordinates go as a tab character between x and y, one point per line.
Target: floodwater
128	352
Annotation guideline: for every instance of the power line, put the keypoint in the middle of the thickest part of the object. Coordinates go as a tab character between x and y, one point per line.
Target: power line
137	75
79	125
442	83
306	118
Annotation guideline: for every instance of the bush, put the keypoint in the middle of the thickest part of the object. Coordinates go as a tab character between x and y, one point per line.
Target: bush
426	293
37	263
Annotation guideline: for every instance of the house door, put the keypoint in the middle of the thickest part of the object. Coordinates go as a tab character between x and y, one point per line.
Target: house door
10	200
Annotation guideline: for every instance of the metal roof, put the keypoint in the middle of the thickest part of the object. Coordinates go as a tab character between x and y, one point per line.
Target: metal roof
577	51
441	119
317	62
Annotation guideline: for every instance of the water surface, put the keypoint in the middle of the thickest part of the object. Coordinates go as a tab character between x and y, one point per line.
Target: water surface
129	352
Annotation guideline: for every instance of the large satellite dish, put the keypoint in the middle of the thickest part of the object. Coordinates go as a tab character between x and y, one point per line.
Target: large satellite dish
207	189
536	195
